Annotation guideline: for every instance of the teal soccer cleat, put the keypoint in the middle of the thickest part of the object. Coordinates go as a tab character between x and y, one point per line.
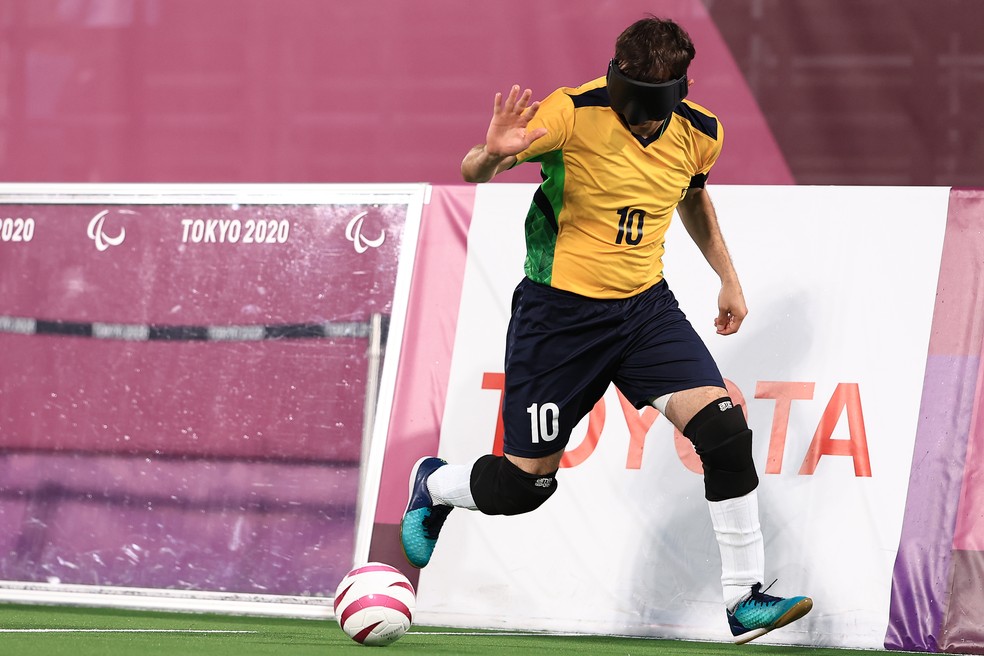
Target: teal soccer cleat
761	613
422	520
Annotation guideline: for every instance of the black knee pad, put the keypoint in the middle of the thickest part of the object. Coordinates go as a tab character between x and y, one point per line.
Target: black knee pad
723	441
501	488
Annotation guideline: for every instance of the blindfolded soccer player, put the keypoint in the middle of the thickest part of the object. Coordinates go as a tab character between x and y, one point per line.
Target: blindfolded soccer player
618	155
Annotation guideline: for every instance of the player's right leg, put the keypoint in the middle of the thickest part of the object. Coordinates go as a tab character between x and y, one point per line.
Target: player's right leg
424	517
494	485
559	351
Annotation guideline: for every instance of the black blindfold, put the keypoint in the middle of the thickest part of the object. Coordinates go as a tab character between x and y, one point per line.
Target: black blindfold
639	102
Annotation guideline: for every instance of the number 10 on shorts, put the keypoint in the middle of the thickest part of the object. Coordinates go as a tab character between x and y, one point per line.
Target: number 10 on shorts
544	422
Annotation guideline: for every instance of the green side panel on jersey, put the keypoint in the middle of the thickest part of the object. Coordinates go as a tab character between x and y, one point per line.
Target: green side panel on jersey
541	221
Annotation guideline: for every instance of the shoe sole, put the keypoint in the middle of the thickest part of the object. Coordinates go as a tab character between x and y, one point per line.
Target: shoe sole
798	610
413	480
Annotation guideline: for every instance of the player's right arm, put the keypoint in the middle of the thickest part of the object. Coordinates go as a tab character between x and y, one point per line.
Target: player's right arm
507	136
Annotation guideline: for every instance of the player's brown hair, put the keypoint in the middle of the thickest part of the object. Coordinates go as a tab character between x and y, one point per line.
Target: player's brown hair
654	50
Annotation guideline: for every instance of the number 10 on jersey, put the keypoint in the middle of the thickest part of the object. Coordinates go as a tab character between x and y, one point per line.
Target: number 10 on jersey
630	222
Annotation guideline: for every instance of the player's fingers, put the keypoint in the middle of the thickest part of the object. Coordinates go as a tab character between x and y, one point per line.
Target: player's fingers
721	321
524	100
510	104
531	110
727	323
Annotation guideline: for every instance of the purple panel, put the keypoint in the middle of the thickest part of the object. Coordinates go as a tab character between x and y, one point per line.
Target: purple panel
922	568
922	576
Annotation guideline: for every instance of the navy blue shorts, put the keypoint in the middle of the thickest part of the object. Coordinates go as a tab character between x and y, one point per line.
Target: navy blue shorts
563	350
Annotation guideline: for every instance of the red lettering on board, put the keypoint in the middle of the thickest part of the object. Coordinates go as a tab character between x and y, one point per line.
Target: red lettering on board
784	395
846	396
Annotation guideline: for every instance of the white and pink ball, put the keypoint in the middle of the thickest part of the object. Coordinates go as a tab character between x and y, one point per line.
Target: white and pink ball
374	604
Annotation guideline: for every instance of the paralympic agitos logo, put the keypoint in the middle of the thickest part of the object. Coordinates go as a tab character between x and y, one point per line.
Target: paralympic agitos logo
353	232
97	232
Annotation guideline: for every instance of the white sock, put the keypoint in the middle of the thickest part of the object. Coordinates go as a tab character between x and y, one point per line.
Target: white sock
739	538
450	485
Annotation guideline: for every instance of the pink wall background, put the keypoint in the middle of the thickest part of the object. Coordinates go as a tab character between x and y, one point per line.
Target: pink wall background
314	90
838	92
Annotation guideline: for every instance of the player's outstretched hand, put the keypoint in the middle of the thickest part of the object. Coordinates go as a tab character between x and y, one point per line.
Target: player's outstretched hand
731	310
507	133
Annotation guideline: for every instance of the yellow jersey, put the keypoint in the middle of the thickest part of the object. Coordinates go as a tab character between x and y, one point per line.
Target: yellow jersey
598	220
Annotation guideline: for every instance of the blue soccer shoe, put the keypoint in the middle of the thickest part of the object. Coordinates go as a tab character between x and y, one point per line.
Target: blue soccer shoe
422	520
761	613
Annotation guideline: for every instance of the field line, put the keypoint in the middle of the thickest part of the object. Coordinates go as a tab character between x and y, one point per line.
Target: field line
118	631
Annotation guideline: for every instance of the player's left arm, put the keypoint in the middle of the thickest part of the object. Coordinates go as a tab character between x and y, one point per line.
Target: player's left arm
700	220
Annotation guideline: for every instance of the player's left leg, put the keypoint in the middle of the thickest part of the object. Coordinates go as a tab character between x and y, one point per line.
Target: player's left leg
670	367
717	428
723	441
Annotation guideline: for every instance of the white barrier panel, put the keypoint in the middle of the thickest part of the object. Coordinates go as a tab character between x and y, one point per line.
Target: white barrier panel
829	365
